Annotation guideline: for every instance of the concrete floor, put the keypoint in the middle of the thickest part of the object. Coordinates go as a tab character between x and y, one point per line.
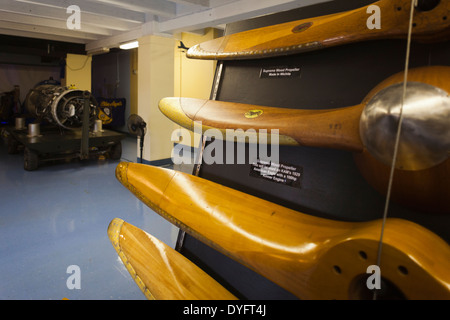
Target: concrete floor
57	217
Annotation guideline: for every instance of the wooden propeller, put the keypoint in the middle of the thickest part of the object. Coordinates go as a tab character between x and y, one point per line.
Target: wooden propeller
313	258
161	272
431	22
334	128
419	183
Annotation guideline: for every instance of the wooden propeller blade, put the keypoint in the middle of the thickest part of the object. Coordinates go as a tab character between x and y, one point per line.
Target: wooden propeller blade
313	258
332	128
329	30
161	272
421	189
336	128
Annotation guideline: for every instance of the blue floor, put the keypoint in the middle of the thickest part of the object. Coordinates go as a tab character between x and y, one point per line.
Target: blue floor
56	217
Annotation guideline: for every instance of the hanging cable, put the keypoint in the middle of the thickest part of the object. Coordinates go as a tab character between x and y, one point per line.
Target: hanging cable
397	138
81	68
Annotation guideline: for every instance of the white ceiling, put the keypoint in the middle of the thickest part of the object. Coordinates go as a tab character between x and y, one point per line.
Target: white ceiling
108	23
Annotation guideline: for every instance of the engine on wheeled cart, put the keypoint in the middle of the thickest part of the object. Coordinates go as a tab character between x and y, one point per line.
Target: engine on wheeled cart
60	123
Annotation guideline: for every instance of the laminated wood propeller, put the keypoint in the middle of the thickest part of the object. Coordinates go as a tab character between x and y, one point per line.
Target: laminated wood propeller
431	23
161	272
367	129
313	258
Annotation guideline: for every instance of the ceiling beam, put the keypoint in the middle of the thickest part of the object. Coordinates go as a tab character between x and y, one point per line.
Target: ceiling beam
46	22
149	28
27	34
47	30
61	14
95	8
161	8
114	41
231	12
202	3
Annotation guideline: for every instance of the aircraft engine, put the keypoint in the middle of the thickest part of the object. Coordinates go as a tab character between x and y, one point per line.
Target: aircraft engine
59	105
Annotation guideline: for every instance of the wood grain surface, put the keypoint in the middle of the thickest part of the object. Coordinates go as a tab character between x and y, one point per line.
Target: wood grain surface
335	128
327	31
313	258
161	272
425	190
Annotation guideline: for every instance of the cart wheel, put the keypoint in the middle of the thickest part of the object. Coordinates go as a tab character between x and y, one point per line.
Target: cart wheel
31	160
13	145
116	151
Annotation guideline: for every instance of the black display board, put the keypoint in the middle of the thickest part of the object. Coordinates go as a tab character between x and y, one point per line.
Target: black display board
331	185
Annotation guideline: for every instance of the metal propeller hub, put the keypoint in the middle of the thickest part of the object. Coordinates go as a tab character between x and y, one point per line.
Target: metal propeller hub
425	132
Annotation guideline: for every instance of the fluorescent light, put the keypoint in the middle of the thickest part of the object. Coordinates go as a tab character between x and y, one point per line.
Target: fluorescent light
98	51
129	45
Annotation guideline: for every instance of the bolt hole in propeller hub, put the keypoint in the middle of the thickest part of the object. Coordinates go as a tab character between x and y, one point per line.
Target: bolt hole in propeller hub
358	290
427	5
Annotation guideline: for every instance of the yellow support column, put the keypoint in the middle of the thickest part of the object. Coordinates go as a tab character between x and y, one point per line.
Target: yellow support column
78	71
193	79
155	81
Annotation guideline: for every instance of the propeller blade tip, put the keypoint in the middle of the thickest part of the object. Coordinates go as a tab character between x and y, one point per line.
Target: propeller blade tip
172	108
114	231
121	172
